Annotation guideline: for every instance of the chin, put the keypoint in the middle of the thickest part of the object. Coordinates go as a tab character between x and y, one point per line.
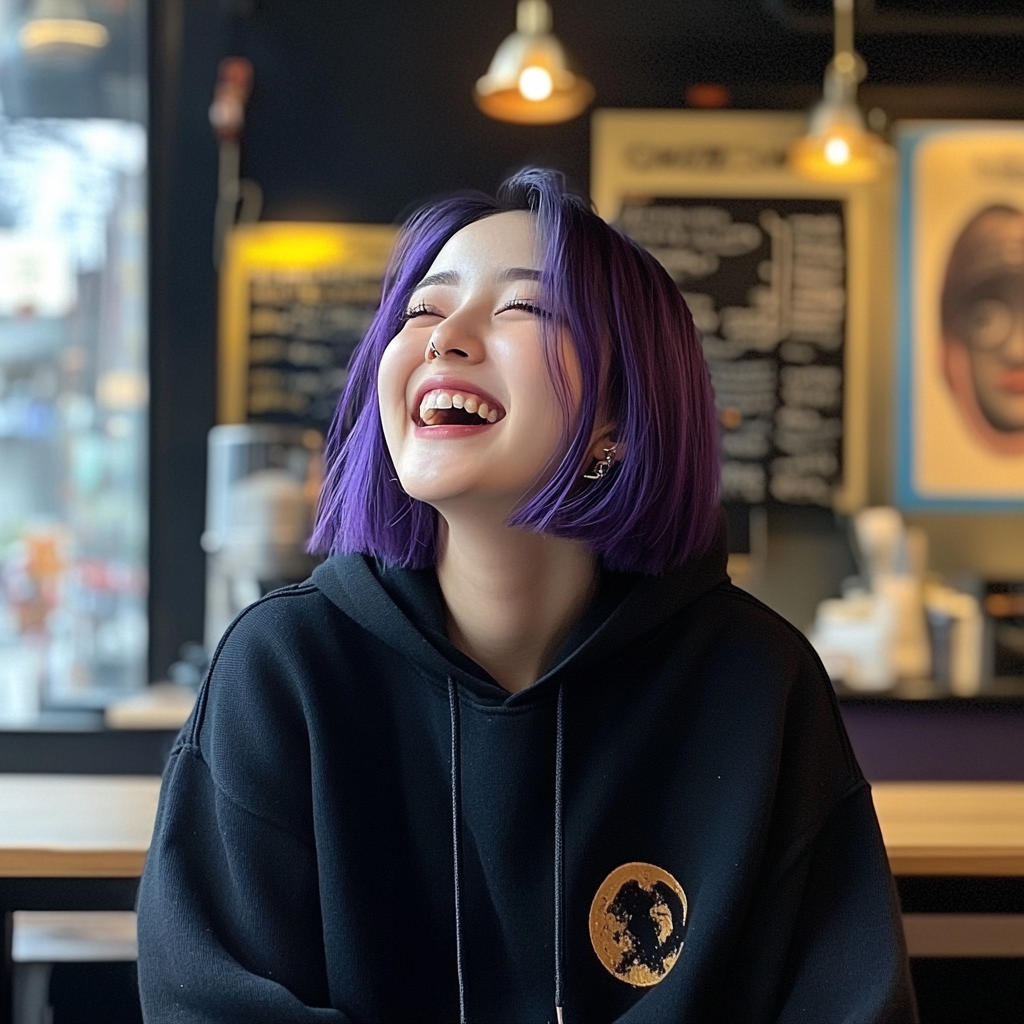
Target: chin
452	497
1006	420
436	491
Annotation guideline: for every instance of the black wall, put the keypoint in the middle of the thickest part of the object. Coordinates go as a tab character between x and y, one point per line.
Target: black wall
362	109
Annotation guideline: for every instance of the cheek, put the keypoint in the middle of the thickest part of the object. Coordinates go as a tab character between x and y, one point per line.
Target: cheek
984	368
558	389
541	420
392	378
396	367
572	372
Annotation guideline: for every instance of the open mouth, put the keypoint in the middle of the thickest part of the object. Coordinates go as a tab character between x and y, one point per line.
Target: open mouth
441	407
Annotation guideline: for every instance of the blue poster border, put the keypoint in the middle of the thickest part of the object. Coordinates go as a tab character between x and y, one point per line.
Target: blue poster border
906	494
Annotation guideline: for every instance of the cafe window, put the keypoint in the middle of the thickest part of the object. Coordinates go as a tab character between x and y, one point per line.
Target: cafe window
73	354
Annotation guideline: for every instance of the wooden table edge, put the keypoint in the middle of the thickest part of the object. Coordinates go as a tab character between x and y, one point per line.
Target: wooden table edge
120	863
935	860
92	863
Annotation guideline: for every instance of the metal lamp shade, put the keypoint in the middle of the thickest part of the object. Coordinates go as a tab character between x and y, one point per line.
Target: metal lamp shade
504	93
838	147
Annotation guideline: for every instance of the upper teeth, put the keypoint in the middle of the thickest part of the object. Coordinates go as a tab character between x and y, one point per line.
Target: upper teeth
453	399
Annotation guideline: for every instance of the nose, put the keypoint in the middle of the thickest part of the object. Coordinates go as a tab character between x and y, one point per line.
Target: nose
435	351
1012	350
454	338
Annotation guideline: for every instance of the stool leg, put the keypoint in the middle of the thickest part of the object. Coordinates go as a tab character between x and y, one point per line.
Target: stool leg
7	970
32	994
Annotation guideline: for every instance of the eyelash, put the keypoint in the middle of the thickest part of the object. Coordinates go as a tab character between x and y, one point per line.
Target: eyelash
420	310
524	304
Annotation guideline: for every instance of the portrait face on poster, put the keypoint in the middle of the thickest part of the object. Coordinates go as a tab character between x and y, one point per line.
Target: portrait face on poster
961	396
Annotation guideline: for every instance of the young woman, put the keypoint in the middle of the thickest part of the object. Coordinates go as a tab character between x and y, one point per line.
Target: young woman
518	751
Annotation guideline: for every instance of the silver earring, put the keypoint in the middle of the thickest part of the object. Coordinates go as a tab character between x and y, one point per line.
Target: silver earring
432	351
603	465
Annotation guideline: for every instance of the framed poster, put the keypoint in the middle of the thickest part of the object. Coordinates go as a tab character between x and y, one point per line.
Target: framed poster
295	298
960	416
776	273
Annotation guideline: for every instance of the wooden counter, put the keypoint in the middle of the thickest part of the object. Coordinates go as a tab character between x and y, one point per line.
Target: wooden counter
80	826
75	826
952	828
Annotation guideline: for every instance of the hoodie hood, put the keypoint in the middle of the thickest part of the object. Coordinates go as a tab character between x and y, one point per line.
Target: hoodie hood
404	609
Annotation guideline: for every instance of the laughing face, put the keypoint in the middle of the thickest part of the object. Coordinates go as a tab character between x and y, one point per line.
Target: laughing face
469	410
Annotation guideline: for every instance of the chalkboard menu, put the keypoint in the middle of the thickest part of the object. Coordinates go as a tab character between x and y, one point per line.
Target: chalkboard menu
765	280
789	282
295	301
303	328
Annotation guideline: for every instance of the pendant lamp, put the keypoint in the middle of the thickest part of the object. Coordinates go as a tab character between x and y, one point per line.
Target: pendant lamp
61	28
838	146
529	81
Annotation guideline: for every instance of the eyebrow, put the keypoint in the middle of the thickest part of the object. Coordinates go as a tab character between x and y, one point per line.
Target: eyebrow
519	274
451	277
442	277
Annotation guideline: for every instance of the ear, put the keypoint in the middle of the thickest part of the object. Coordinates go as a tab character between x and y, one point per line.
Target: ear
602	438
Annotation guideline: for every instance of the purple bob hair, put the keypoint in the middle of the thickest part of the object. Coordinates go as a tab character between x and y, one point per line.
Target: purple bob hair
640	363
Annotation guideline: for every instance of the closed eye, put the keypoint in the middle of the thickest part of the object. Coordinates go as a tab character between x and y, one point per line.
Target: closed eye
526	306
422	309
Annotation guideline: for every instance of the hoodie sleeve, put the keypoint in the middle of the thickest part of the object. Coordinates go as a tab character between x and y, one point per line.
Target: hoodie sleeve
230	926
823	940
847	958
229	922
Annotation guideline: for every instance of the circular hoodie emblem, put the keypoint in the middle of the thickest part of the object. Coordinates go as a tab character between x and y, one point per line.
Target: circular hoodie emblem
636	923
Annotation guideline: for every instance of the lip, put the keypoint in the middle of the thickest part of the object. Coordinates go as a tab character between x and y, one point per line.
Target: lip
449	430
1012	381
443	382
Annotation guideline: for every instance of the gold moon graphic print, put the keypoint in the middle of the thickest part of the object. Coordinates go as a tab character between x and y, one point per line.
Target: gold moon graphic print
637	921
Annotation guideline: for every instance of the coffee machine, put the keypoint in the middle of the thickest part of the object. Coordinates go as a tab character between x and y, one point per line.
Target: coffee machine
263	482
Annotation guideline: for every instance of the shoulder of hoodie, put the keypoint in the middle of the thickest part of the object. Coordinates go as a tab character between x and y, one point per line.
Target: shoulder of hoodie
259	682
277	619
782	660
818	769
279	635
727	614
248	724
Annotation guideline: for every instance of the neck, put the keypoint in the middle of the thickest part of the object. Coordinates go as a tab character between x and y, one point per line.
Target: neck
512	596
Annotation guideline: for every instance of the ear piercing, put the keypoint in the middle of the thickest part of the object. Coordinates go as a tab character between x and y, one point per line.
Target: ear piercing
602	465
432	350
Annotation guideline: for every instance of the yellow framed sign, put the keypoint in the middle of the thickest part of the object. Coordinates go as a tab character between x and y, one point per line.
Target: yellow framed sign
295	298
777	273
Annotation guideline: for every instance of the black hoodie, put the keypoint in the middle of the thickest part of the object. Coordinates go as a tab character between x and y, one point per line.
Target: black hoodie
358	825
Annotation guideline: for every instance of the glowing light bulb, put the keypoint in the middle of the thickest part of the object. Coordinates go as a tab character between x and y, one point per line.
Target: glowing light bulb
837	151
535	83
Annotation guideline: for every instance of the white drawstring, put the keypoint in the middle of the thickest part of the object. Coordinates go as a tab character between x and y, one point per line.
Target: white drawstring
559	860
453	707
